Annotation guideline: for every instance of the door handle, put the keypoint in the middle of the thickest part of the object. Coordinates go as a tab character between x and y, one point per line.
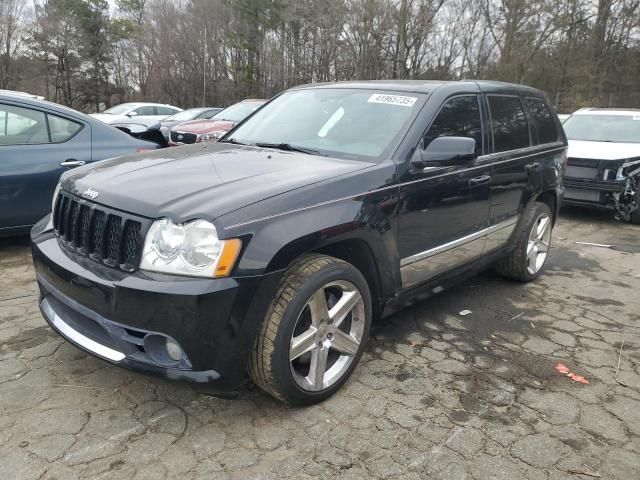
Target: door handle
72	163
480	180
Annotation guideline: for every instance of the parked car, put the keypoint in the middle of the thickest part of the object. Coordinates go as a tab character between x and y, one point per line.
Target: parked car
197	131
143	113
604	161
202	113
273	249
40	140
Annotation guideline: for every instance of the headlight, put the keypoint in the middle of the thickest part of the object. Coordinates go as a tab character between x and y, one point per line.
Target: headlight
188	249
55	196
211	136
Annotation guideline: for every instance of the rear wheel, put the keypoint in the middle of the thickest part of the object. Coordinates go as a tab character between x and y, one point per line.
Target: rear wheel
314	332
533	240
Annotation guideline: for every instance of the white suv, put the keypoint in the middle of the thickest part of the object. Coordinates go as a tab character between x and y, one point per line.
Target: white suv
139	113
603	169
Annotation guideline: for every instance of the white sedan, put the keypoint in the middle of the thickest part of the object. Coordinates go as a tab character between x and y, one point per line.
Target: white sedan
140	113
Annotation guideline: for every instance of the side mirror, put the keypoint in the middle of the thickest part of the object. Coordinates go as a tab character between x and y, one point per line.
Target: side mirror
445	151
132	114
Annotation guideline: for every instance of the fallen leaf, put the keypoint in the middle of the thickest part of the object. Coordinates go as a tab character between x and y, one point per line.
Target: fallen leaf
579	379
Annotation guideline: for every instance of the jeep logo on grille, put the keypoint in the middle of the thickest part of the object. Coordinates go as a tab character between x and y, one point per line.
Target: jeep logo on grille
89	192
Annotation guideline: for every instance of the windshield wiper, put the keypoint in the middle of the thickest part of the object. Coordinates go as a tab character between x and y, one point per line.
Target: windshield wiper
288	147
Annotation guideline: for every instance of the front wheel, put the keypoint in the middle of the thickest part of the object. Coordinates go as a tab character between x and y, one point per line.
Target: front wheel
314	331
533	240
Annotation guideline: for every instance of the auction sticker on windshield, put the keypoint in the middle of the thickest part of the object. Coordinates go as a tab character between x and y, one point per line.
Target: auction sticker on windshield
392	99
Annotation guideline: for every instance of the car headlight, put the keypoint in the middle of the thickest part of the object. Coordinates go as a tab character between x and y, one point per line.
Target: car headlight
212	136
191	248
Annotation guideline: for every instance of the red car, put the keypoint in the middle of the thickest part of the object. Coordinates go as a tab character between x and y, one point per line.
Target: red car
196	131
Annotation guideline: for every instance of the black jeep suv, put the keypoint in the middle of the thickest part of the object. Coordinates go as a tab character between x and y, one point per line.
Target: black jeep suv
271	251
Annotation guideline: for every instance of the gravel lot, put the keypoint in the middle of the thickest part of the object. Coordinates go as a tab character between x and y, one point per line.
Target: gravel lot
437	395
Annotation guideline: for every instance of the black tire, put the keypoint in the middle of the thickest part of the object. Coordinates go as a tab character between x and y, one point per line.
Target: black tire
269	366
514	265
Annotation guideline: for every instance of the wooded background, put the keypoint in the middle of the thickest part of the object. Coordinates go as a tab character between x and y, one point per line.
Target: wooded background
94	53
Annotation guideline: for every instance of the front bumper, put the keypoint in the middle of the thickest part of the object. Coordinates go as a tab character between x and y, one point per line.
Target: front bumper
580	191
592	182
120	316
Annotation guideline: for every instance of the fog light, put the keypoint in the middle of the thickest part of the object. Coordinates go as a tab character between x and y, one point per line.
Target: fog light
173	350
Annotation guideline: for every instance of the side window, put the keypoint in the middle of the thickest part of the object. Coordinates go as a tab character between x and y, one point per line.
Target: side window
459	117
62	129
165	111
146	110
547	130
508	123
22	126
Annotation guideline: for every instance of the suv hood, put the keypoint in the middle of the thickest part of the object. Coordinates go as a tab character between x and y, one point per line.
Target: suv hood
603	150
200	180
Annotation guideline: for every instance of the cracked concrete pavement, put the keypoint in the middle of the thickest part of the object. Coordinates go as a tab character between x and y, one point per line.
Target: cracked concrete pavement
437	395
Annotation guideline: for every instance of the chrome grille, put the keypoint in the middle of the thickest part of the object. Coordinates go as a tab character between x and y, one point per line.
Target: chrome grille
98	233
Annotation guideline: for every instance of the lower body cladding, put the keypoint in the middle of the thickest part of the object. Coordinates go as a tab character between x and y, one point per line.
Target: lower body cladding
610	184
185	329
425	265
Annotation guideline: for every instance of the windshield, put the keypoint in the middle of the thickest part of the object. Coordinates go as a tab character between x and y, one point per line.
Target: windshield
184	115
603	128
238	112
119	109
334	121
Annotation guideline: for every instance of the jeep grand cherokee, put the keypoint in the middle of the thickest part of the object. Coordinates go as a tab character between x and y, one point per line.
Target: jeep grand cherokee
272	251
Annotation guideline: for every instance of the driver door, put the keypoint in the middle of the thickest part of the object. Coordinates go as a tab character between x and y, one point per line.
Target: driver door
445	208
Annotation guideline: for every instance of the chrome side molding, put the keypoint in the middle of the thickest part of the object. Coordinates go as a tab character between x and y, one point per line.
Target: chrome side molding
424	265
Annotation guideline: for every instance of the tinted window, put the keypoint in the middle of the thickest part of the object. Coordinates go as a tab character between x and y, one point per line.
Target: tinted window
459	117
62	129
547	131
508	123
20	126
164	111
145	110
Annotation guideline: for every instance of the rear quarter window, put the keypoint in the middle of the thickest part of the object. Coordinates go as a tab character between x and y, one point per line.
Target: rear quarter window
545	123
508	123
62	129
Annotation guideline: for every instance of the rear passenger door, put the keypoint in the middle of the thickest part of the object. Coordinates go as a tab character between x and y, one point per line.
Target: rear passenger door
35	148
515	165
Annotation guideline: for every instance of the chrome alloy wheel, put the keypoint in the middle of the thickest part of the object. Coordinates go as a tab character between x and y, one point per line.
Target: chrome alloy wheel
538	245
327	336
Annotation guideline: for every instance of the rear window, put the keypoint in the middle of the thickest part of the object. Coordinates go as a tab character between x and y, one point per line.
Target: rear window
508	123
546	125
